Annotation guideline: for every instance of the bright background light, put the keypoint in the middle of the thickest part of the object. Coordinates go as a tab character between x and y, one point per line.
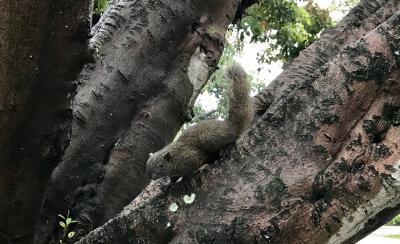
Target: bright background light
248	59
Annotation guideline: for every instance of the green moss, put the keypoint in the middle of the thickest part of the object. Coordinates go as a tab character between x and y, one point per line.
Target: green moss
213	32
278	186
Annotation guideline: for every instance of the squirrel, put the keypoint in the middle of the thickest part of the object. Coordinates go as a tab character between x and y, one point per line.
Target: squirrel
202	142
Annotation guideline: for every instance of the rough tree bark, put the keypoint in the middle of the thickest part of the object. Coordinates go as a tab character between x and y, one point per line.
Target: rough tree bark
153	59
318	165
43	45
335	171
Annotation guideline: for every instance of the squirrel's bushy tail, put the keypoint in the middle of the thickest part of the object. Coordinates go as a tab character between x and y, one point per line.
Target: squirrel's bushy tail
240	102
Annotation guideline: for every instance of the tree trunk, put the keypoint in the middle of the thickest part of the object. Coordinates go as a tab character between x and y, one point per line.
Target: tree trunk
42	47
153	59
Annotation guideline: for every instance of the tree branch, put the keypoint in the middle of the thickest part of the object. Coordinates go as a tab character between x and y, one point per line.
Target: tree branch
139	92
363	18
324	155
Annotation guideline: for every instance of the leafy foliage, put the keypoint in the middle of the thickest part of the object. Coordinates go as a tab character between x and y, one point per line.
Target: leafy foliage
65	223
283	25
395	221
287	27
343	6
100	6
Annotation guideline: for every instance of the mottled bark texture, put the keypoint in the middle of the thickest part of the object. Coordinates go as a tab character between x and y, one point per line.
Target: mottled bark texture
320	165
153	58
43	45
363	18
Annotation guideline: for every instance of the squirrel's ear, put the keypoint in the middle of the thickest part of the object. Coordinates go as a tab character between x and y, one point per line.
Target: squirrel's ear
168	157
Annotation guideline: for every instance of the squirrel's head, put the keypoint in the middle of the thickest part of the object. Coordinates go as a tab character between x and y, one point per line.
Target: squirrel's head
172	160
159	164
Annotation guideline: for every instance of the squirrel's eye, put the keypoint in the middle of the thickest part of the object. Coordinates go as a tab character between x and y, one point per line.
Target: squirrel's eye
160	165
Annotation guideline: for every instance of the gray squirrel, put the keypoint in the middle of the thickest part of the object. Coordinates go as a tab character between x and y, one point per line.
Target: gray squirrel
202	142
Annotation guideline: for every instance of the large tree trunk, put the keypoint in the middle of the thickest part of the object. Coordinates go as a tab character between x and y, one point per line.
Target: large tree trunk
318	165
43	45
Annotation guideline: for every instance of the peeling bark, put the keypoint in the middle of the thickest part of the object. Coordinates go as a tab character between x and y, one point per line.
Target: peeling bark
319	166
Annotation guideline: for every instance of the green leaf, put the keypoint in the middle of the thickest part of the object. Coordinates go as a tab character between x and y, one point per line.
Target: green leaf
62	224
101	6
71	234
61	216
173	207
68	221
290	26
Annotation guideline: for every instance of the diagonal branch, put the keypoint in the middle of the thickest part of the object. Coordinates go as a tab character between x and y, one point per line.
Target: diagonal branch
363	18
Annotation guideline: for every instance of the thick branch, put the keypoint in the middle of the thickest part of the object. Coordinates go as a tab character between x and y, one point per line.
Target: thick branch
363	18
117	193
153	56
317	167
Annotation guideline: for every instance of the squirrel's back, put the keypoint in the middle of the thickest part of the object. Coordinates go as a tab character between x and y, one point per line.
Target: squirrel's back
202	142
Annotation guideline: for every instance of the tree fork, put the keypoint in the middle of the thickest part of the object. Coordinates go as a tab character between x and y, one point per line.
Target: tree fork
324	155
147	76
